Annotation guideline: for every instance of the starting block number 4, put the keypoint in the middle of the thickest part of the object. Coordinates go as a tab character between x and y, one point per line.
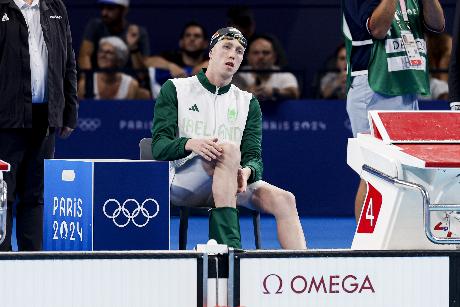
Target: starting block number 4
370	211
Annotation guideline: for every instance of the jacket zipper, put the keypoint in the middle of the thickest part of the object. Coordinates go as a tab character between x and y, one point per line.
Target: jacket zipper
215	113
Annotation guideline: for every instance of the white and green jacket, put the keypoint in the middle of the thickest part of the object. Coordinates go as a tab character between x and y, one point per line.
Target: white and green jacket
194	108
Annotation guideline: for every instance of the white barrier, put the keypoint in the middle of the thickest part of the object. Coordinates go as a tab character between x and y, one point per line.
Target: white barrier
244	278
346	279
102	279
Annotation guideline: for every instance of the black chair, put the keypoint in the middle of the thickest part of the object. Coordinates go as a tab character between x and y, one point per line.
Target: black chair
145	147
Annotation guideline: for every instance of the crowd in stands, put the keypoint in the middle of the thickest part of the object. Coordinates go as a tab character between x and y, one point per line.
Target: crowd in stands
333	83
115	61
439	48
110	82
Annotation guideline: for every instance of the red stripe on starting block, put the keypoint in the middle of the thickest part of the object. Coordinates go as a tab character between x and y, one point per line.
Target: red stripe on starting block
422	126
434	155
376	131
4	167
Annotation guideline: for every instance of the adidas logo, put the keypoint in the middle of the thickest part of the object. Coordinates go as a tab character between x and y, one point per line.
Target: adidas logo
194	108
5	17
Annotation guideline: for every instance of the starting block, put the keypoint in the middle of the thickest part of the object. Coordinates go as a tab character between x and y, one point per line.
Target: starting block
4	167
411	164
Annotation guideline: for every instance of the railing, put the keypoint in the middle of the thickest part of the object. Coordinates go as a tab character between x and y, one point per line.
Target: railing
300	74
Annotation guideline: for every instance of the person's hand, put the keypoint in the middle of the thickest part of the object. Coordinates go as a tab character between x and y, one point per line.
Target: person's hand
206	148
343	78
132	37
199	67
263	92
176	71
64	132
243	176
342	82
455	106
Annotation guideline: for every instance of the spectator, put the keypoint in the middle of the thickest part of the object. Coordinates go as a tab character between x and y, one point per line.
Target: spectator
191	56
241	17
113	23
265	82
187	61
110	83
334	83
439	50
193	44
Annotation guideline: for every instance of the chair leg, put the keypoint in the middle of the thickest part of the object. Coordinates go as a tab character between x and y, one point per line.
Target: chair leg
183	226
256	223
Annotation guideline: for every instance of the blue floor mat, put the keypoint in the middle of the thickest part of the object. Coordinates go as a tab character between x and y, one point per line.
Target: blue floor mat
321	232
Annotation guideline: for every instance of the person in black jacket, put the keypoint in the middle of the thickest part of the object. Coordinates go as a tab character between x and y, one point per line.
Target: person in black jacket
38	90
454	66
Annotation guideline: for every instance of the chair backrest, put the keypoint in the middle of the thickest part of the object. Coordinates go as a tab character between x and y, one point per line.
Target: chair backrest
145	149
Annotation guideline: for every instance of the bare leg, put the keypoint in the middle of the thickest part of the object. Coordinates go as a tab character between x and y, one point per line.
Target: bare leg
359	200
270	199
224	183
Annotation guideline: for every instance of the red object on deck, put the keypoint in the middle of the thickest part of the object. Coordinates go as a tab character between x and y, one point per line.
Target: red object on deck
434	155
5	167
421	126
433	137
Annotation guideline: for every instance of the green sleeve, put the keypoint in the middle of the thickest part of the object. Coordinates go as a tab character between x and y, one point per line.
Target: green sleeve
165	145
251	144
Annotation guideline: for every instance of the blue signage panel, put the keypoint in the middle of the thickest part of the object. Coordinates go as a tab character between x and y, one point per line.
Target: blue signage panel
304	138
68	205
131	205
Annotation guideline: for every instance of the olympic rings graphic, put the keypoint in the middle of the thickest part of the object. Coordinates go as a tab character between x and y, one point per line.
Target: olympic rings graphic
130	216
89	124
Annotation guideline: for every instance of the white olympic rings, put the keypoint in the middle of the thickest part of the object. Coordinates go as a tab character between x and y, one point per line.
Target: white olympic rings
89	124
131	216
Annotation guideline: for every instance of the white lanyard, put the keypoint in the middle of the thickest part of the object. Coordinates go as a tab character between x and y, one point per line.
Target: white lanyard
402	4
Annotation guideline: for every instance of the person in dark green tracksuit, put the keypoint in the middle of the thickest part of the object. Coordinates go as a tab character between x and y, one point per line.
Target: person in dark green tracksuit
212	133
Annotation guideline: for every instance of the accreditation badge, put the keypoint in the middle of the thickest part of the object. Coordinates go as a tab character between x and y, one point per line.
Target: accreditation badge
410	45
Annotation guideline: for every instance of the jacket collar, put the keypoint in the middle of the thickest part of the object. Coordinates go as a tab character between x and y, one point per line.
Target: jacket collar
209	86
21	3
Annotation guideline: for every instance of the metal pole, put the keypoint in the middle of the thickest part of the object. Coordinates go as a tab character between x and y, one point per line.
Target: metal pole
427	207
